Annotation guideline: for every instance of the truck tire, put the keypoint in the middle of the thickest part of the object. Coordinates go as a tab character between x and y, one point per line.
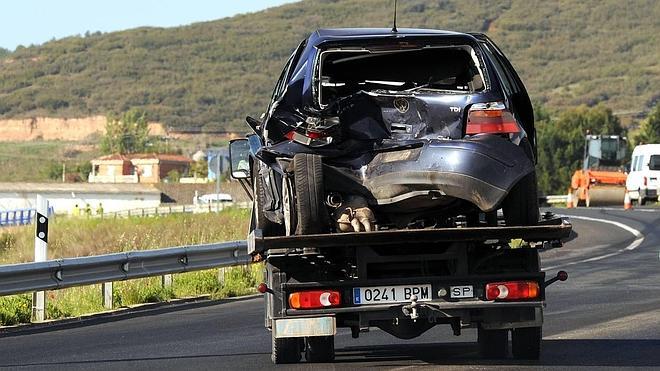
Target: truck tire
285	350
526	342
493	344
521	205
260	221
320	349
311	214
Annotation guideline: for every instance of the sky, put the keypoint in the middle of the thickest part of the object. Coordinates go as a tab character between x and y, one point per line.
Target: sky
25	22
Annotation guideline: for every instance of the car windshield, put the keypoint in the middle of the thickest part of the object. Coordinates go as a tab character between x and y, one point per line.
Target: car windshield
448	69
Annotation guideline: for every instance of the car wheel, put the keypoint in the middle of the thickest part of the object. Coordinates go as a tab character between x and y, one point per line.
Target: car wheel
285	350
526	342
521	205
493	344
641	200
320	349
288	207
311	214
261	222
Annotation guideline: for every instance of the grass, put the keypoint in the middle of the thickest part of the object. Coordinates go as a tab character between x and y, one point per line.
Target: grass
41	161
73	237
80	237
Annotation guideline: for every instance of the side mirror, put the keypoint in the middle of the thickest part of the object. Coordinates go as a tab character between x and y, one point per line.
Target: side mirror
239	158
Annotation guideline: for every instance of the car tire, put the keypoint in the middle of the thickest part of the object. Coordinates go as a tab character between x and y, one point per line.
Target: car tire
285	350
493	344
267	227
521	205
311	214
526	342
641	200
320	349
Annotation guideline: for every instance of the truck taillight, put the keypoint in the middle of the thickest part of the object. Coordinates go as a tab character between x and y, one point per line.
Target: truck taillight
314	299
514	290
491	118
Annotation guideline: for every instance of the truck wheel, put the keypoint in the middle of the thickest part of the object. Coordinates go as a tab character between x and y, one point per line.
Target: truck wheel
526	342
493	343
261	222
309	193
521	205
320	349
285	350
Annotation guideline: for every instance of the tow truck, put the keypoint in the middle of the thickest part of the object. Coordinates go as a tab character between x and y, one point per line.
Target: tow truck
485	276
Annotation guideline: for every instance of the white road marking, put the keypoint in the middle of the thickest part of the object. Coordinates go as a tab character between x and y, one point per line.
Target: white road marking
622	209
632	246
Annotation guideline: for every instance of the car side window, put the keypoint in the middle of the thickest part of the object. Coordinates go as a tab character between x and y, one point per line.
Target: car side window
499	68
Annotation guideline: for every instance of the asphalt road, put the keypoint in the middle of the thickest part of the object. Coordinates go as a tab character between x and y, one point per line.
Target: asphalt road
606	315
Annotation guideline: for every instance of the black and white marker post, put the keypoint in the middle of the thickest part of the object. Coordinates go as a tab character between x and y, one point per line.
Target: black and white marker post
40	255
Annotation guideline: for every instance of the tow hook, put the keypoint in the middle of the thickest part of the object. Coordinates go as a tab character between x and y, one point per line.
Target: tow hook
561	276
410	310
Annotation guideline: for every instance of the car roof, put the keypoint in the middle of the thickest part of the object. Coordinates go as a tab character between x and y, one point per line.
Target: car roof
337	34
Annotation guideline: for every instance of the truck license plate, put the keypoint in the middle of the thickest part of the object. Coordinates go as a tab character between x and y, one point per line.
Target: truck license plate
391	294
461	292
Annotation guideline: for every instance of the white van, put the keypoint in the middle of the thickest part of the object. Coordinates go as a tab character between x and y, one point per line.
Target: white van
644	178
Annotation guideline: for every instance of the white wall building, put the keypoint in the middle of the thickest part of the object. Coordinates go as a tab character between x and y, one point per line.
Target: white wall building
64	196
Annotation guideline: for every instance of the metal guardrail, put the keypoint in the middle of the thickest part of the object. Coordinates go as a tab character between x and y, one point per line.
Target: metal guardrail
70	272
554	199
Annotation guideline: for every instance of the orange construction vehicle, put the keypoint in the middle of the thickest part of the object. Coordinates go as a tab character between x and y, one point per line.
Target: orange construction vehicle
601	181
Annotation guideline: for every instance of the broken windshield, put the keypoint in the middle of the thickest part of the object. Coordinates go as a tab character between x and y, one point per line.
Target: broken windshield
448	69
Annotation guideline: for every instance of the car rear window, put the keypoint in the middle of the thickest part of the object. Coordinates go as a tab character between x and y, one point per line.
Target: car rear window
444	69
654	162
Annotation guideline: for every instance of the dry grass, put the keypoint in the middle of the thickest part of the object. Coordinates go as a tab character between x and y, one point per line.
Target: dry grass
69	237
81	237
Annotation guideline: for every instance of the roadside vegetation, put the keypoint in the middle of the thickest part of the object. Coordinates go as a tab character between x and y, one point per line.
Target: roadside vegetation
81	237
42	161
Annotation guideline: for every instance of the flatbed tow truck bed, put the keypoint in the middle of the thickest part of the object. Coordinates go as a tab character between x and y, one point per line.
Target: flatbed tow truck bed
405	282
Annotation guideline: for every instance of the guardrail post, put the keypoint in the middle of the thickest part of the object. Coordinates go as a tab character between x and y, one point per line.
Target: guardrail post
40	255
166	281
221	275
106	290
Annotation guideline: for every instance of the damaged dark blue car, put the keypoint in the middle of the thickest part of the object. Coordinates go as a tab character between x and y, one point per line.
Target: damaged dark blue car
370	129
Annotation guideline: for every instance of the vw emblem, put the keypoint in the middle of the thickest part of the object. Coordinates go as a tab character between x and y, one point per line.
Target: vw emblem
401	105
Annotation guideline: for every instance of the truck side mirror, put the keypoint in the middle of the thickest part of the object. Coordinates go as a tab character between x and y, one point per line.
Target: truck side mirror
239	158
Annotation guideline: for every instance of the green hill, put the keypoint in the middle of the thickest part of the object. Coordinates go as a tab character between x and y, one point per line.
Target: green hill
210	75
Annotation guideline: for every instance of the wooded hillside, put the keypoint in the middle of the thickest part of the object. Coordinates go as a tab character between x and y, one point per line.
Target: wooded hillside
210	75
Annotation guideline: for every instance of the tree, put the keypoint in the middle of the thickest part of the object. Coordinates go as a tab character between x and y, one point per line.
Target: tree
126	134
561	143
650	128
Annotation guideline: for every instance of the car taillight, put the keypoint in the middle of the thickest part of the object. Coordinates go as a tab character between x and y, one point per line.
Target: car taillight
492	118
514	290
314	299
645	181
309	138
